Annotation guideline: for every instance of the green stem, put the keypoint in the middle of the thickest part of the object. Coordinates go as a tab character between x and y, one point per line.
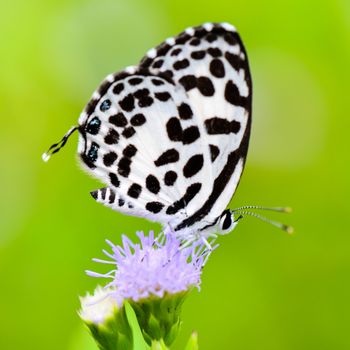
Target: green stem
158	345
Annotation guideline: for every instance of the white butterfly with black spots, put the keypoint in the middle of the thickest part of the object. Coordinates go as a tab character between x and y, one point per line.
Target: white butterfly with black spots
170	136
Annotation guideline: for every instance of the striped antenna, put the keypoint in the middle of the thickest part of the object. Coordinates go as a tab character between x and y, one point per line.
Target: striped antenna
57	146
259	207
242	213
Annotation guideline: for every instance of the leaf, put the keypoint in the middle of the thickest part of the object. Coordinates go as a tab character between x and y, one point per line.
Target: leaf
159	345
192	343
139	342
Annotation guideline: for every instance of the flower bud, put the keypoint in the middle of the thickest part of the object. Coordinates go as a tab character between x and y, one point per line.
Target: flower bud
104	314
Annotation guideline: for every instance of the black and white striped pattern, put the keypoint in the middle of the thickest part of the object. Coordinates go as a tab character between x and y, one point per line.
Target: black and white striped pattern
170	136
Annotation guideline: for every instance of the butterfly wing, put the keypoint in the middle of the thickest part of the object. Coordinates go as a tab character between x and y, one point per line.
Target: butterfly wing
211	65
170	136
133	139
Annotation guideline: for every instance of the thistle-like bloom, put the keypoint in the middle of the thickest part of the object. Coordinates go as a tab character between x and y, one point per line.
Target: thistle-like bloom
154	267
105	316
100	306
154	276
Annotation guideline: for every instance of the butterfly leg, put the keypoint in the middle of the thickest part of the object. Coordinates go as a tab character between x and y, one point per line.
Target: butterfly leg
188	242
160	239
208	251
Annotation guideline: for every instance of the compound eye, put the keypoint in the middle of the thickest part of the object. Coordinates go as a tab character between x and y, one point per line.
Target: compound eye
226	222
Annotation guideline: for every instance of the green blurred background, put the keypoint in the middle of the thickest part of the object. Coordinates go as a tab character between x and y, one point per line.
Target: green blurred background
262	289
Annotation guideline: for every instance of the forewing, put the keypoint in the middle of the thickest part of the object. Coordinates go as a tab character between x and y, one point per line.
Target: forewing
210	63
133	139
172	132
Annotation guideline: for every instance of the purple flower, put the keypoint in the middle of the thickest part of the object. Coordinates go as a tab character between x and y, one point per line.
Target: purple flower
154	267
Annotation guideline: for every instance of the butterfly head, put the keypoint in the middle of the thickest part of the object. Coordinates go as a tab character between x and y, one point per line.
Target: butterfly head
226	222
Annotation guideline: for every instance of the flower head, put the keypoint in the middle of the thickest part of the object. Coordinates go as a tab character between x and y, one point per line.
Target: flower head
154	276
154	267
105	316
100	306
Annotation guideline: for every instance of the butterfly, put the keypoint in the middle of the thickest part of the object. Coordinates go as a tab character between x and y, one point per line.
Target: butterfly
169	136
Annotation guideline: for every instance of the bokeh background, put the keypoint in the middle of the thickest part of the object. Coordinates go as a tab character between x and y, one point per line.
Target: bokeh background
262	289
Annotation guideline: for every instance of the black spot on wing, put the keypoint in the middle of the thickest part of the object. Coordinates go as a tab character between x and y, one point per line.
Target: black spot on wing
127	103
168	74
93	126
198	55
181	64
217	68
169	156
195	42
103	193
157	82
205	86
191	192
138	119
124	167
193	165
128	132
214	52
175	52
185	111
134	191
219	185
214	152
158	63
174	129
111	198
109	158
152	184
129	151
217	126
170	178
189	82
233	96
211	37
118	88
162	96
141	93
114	179
118	120
154	207
190	135
93	152
235	61
135	81
105	105
112	137
144	100
230	38
182	38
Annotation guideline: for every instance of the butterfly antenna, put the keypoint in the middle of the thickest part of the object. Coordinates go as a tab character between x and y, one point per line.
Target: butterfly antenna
286	228
57	146
259	207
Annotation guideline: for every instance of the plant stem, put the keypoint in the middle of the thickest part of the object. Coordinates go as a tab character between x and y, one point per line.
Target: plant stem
159	345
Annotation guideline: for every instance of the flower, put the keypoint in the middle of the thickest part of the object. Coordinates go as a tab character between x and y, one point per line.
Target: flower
154	276
100	306
154	267
105	316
